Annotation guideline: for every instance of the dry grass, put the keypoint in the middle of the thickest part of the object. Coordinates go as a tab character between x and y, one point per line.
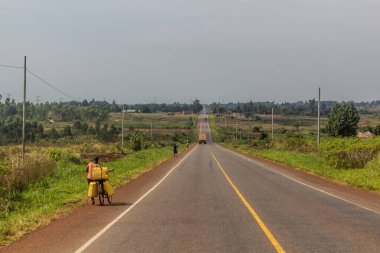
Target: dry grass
17	173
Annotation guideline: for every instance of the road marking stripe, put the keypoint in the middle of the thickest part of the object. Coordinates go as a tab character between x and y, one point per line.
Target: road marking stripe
265	229
302	183
93	239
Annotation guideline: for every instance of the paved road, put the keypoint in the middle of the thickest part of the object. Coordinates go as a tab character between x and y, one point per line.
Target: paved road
218	201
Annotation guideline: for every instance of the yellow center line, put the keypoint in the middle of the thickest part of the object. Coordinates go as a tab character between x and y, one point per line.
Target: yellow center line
265	229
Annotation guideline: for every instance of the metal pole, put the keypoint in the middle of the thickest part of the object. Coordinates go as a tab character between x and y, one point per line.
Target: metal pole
23	112
151	129
236	135
249	128
240	129
319	117
122	131
272	126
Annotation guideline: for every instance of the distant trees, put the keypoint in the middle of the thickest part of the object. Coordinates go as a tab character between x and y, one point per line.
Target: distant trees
38	114
304	108
197	107
343	120
153	108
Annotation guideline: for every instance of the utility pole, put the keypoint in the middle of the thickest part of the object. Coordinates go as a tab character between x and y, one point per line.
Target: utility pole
151	129
319	117
122	131
236	129
249	128
23	112
272	126
240	129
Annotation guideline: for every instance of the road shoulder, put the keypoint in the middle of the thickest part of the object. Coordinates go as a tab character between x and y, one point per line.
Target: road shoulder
68	233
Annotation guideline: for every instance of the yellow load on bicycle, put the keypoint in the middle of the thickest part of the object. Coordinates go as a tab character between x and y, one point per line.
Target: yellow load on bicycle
100	173
108	188
92	190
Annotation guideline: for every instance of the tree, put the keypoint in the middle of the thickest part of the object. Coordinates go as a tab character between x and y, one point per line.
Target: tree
197	107
77	125
53	133
136	140
343	120
376	130
67	131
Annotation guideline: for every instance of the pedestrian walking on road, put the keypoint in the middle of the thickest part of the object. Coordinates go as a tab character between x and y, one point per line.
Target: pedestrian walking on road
187	143
175	149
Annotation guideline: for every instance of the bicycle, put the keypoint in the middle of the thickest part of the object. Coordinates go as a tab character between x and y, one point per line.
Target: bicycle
102	192
103	189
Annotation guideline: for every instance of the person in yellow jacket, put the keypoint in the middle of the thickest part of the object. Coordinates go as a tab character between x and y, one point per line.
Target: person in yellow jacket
89	168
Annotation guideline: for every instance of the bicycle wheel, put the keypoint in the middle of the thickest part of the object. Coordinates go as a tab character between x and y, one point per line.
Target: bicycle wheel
101	194
109	198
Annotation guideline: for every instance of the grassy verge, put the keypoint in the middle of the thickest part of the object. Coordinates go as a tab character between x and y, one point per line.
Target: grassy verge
350	161
65	189
367	177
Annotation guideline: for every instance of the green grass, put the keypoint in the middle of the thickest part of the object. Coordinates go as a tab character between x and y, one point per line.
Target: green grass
365	178
66	189
334	159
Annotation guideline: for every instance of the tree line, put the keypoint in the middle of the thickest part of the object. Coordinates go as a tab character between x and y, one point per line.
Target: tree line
96	113
302	108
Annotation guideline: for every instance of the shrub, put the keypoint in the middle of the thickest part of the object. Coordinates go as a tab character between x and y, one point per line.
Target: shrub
55	154
18	173
351	158
348	153
343	120
376	130
136	140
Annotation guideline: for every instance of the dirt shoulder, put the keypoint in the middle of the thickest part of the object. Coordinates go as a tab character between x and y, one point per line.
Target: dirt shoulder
360	197
68	233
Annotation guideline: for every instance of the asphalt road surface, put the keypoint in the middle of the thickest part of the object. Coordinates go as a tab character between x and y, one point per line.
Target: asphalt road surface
215	200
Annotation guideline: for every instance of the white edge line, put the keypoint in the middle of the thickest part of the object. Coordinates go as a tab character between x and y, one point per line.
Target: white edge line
302	183
89	242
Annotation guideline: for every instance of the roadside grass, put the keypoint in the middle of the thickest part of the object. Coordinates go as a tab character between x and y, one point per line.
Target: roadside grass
349	161
366	178
66	189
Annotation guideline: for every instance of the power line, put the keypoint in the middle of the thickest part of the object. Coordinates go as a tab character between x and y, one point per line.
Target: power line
42	80
9	66
51	86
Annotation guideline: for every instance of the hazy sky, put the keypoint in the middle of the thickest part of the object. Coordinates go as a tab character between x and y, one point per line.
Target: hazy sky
176	50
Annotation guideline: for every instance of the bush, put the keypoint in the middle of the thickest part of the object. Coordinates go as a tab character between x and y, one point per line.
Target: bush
343	120
136	140
348	153
18	173
376	130
55	154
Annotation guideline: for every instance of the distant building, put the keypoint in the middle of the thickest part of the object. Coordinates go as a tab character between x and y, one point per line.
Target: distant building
367	134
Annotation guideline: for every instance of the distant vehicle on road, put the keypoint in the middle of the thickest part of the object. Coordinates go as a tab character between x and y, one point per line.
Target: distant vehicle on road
202	138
